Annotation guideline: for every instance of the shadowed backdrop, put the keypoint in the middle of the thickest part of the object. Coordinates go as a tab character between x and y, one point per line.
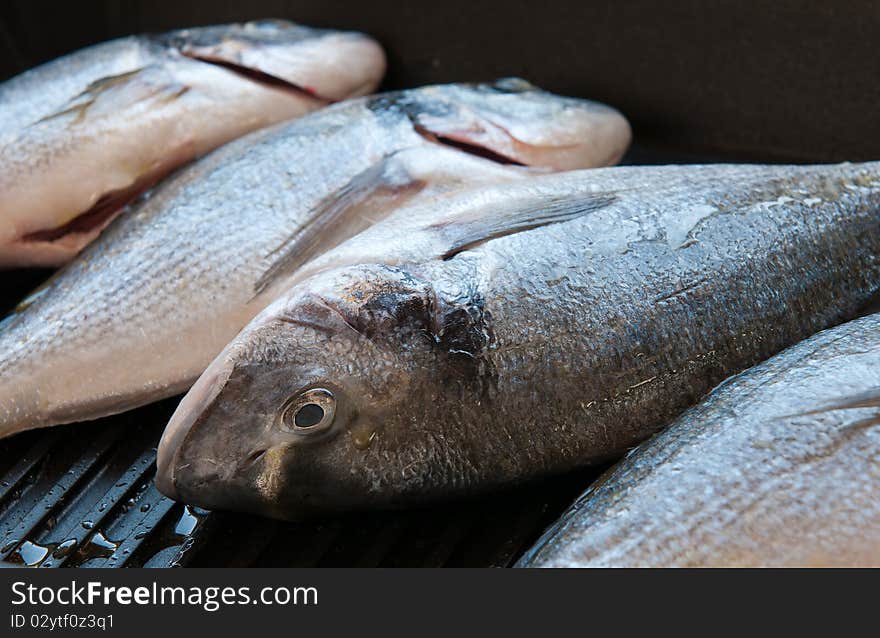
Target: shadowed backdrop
772	80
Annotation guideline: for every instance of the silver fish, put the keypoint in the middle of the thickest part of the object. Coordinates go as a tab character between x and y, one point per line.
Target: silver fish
567	318
141	313
85	134
779	466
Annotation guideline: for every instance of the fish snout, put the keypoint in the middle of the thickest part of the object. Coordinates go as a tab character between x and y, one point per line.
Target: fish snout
353	65
192	412
572	134
591	135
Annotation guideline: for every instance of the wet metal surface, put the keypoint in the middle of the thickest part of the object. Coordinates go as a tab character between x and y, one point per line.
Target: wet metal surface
83	497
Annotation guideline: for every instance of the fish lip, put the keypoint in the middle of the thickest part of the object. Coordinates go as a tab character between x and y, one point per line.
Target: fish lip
186	418
224	489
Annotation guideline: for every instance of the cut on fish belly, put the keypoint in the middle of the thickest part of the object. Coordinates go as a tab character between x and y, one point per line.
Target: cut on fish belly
777	467
84	135
144	309
518	330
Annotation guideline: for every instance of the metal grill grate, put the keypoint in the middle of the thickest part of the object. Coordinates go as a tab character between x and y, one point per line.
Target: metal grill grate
83	496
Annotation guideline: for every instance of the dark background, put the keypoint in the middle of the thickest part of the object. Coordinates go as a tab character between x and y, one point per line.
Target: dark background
709	80
764	80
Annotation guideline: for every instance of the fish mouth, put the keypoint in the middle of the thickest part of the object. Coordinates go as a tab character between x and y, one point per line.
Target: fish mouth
259	77
466	146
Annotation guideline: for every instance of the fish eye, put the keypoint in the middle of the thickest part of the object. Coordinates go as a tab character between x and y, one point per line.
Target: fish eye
311	411
308	416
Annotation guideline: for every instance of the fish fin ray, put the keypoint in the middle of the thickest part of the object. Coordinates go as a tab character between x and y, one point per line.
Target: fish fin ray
869	399
536	211
369	196
115	93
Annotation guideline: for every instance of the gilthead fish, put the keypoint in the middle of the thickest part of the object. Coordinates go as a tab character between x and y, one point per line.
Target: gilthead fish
141	313
779	467
85	134
564	320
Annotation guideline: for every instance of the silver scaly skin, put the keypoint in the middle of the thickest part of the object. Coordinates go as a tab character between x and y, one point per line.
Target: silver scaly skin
566	319
777	467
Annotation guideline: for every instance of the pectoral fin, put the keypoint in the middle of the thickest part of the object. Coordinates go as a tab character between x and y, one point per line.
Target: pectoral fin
367	198
468	229
870	399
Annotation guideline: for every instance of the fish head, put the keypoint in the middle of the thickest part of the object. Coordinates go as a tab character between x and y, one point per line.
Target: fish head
323	403
512	121
328	65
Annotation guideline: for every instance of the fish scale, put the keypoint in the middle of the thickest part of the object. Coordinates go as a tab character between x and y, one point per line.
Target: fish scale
393	534
234	539
775	467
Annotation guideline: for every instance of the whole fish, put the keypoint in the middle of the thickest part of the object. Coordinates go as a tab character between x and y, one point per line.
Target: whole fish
567	318
85	134
779	466
141	313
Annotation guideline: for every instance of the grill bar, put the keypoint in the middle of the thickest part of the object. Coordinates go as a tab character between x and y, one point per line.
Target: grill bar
83	495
